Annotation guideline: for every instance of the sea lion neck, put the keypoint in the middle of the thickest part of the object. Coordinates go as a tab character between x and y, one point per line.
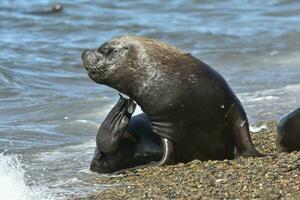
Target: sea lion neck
141	97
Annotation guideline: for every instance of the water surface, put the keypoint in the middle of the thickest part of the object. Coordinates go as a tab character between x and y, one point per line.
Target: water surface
50	110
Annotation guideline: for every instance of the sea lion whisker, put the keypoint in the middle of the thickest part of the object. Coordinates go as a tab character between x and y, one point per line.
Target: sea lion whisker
100	68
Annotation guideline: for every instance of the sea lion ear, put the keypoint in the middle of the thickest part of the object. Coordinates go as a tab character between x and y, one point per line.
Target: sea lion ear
131	106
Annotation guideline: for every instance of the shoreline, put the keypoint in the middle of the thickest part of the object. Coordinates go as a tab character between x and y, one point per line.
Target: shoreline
270	177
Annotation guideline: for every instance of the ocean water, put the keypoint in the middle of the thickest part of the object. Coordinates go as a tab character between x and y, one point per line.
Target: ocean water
50	110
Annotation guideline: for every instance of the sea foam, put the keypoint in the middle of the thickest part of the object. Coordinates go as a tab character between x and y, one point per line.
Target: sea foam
13	182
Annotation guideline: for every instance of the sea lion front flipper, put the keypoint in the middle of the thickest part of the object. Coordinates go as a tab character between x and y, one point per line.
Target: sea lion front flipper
167	158
241	131
115	124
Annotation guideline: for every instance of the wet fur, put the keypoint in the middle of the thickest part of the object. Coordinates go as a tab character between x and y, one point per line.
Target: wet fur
186	100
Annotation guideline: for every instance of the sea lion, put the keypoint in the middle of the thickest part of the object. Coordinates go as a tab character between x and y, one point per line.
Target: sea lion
288	132
54	9
124	142
189	104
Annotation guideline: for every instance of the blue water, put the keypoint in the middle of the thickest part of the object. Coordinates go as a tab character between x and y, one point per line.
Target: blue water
50	110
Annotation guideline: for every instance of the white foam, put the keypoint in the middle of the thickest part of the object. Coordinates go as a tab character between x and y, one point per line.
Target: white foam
82	120
271	94
263	98
270	104
67	170
13	182
256	129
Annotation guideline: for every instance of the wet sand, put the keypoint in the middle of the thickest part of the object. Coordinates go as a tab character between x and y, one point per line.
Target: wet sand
270	177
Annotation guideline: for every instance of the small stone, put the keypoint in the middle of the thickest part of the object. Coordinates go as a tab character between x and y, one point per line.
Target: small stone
272	177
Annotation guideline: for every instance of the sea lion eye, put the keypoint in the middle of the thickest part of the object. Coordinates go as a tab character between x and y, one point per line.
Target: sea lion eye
105	49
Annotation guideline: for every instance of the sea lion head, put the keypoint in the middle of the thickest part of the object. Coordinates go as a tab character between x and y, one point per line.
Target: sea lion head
113	161
105	63
133	65
56	8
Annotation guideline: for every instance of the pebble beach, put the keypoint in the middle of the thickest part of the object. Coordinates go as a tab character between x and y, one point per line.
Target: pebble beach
271	177
50	110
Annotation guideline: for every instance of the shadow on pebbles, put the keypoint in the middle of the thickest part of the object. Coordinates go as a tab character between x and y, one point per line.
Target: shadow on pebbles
270	177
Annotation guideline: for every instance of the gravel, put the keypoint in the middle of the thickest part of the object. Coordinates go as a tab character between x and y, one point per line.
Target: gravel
270	177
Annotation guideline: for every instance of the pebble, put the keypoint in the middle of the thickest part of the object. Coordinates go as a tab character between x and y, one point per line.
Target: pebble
270	177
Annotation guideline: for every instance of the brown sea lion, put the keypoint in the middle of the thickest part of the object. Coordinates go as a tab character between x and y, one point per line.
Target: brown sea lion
288	132
189	105
57	8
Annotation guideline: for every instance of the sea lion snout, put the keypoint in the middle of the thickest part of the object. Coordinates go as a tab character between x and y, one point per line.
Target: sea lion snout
89	59
95	165
85	58
84	54
94	63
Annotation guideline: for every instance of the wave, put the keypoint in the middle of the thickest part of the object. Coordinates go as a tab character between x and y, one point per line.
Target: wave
66	170
270	104
13	183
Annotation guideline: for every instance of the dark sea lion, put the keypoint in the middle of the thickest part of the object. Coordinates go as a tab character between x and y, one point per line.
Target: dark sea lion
189	105
288	132
124	142
54	9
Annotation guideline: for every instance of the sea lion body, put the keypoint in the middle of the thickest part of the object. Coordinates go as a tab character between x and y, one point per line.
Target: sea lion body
189	104
288	132
53	10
